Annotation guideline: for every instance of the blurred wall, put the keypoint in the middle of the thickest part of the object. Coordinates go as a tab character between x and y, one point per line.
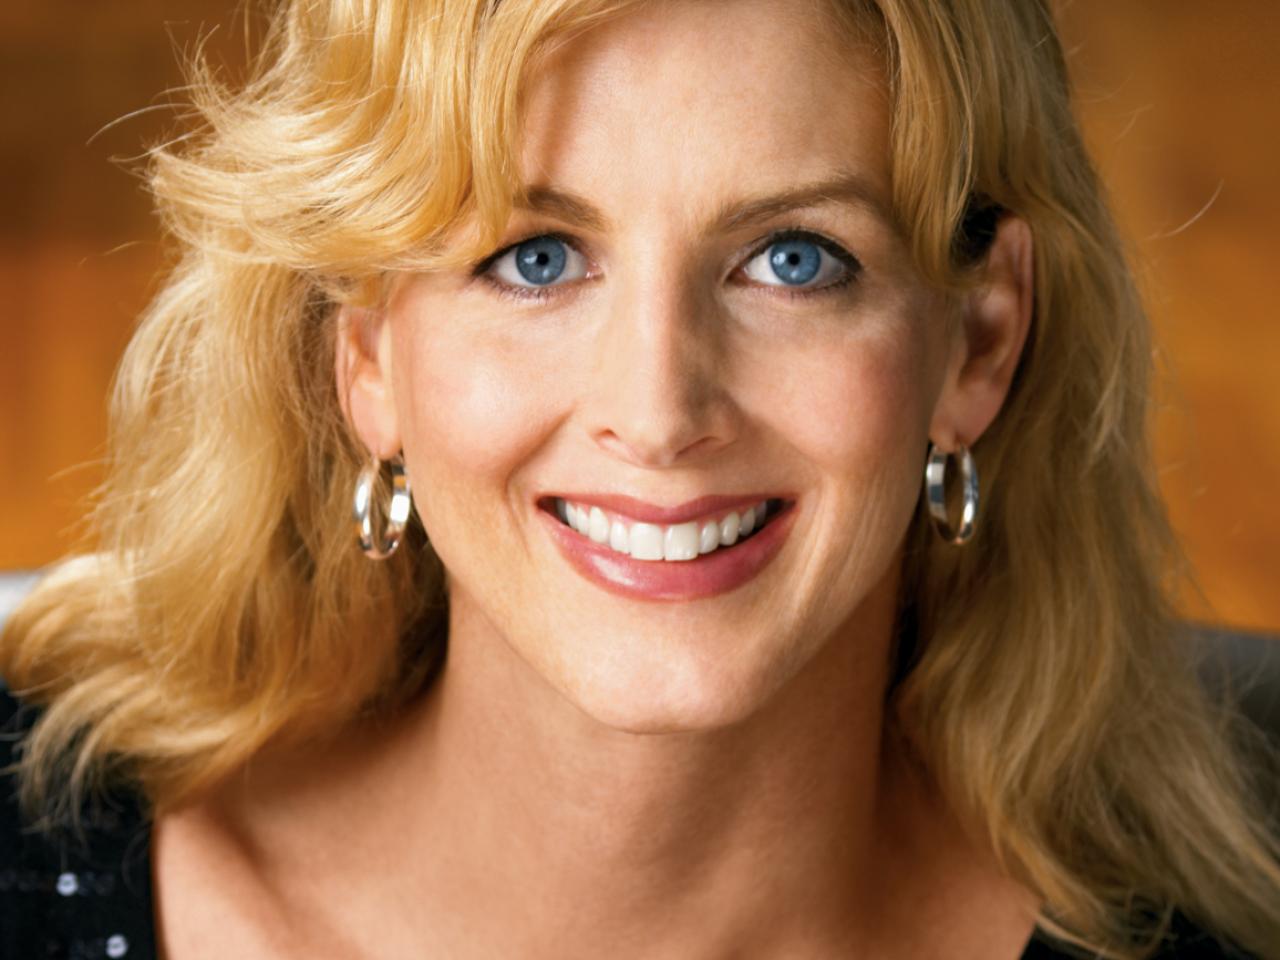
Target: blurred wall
79	251
1180	102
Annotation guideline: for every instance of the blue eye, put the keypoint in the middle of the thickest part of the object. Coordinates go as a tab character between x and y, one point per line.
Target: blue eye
541	260
538	262
795	261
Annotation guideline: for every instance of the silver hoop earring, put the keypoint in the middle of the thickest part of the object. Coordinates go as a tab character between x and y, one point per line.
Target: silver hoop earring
397	511
935	475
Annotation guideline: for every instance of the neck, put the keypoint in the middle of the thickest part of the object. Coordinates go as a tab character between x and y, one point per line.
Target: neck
510	820
728	836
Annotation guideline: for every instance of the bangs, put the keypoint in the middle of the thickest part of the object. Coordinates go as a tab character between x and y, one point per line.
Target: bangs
369	135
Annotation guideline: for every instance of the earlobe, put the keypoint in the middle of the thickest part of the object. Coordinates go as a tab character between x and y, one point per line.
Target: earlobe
995	323
362	372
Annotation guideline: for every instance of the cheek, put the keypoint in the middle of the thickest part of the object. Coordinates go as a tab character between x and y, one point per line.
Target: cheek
471	417
856	409
476	408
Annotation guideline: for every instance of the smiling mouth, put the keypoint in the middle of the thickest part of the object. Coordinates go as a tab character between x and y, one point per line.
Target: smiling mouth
678	542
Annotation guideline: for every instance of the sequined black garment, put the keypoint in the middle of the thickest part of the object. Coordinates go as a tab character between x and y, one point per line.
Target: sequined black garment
62	899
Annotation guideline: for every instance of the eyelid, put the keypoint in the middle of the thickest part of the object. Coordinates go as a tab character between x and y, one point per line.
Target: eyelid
800	233
483	269
775	236
484	265
853	266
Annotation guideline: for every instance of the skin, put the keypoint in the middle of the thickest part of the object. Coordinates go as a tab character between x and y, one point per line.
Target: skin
599	776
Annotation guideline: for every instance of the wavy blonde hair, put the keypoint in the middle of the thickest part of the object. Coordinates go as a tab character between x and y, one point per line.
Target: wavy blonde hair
224	602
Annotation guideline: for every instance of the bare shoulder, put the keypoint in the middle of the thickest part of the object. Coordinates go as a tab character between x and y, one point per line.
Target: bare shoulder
209	901
257	867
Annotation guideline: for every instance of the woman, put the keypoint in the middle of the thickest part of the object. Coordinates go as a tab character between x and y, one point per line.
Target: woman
664	311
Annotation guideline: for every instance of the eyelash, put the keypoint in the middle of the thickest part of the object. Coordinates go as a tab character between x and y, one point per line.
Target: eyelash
481	270
853	266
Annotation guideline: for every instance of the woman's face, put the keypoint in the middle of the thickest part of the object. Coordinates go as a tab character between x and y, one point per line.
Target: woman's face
708	299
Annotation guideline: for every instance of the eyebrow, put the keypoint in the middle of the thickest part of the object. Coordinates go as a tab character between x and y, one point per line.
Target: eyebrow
845	188
563	206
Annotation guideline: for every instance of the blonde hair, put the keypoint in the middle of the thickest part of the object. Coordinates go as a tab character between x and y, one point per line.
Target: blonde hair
225	602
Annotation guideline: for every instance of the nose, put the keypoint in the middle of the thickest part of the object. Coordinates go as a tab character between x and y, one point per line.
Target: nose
660	392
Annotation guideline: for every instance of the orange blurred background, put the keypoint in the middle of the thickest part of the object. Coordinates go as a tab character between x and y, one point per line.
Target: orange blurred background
1181	107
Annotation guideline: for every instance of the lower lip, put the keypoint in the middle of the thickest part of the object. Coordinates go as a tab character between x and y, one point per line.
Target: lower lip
707	575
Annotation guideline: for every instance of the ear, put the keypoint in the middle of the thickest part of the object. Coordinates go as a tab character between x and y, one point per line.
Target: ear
995	318
362	367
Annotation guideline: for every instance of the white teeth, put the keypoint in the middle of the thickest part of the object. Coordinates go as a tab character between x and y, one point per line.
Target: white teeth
729	530
619	537
649	541
598	530
646	541
681	541
710	537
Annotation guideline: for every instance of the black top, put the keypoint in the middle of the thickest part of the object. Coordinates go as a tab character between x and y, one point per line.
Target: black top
63	899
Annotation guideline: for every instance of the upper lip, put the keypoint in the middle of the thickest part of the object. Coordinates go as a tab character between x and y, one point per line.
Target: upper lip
655	513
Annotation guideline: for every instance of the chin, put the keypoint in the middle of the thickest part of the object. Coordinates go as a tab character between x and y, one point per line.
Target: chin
668	692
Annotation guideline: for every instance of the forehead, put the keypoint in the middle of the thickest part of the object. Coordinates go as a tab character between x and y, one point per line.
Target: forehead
681	107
